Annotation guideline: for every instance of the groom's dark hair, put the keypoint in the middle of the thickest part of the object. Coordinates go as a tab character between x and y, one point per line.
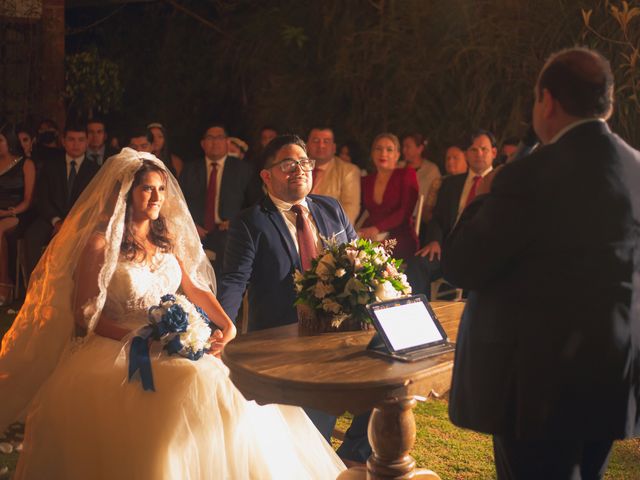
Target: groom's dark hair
273	147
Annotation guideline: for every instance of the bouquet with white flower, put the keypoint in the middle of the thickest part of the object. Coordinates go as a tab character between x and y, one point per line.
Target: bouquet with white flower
346	277
180	326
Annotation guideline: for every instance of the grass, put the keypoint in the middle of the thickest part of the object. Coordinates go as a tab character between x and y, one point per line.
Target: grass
453	453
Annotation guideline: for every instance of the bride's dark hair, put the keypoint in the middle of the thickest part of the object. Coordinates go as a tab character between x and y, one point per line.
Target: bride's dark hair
158	233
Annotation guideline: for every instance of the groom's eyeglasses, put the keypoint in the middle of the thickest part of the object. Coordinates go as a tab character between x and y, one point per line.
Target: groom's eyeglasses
289	165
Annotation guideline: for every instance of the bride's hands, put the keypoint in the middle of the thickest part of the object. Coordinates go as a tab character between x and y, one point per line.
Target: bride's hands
220	338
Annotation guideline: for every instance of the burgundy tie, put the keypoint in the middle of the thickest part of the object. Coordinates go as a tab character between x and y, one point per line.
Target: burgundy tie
210	209
474	188
306	243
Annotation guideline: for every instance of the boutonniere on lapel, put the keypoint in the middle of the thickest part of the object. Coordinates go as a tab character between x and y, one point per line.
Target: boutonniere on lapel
343	279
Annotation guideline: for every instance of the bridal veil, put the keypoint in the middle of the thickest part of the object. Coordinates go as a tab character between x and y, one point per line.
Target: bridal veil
45	325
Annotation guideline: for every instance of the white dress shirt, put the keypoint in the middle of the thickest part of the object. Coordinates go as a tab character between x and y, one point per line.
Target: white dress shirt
468	183
290	220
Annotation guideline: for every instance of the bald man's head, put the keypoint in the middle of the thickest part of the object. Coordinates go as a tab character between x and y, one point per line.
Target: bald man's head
580	80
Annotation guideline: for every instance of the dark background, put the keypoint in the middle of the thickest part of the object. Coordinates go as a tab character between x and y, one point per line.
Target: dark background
361	66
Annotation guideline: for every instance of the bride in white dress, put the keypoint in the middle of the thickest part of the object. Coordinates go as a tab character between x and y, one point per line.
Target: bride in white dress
129	240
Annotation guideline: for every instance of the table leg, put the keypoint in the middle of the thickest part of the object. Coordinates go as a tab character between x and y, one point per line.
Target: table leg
392	433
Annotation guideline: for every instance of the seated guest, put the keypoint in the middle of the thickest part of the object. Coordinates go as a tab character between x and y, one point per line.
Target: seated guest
60	183
97	148
26	138
456	192
140	139
271	239
508	149
455	163
332	176
351	152
17	180
216	187
47	144
413	151
255	157
160	148
389	196
238	147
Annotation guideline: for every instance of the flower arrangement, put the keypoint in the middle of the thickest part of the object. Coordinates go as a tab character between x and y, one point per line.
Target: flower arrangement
180	326
346	277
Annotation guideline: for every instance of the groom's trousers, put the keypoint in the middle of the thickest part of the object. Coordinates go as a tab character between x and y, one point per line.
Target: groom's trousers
356	445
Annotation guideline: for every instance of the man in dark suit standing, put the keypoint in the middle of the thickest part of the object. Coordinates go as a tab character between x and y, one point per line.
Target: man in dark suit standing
456	192
268	241
548	351
216	188
61	180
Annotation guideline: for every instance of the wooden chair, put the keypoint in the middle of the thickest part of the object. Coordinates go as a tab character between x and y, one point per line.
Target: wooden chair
418	218
245	313
436	293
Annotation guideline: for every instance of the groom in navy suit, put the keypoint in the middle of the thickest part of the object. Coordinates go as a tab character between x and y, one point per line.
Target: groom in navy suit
268	241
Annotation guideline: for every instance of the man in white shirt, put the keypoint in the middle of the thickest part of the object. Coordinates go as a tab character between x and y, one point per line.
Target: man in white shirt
332	176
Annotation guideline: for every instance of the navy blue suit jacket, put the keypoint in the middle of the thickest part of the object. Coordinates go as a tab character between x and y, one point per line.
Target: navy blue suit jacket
261	255
549	342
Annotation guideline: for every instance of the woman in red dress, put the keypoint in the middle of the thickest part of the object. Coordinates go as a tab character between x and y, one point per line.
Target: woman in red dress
389	196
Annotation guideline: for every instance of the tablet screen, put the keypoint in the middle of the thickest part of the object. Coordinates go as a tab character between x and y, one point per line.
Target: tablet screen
408	325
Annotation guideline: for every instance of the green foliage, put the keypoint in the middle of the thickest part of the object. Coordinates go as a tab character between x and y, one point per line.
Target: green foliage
92	83
361	66
458	454
614	29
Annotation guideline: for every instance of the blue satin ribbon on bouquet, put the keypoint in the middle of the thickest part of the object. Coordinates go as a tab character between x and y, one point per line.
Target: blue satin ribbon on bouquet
139	358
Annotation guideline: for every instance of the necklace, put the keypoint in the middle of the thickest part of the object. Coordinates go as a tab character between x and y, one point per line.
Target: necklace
12	164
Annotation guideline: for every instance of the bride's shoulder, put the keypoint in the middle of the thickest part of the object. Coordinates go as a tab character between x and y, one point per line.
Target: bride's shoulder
96	242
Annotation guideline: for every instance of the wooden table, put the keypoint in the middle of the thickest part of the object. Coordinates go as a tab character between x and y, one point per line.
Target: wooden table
333	373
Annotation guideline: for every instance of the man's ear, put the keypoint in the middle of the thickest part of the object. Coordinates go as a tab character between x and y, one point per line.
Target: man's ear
549	104
265	175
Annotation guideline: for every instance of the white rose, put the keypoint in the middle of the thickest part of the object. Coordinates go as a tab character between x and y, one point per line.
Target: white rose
197	335
322	289
385	291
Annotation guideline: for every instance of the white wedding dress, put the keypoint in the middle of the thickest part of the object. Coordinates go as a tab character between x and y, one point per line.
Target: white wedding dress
89	422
